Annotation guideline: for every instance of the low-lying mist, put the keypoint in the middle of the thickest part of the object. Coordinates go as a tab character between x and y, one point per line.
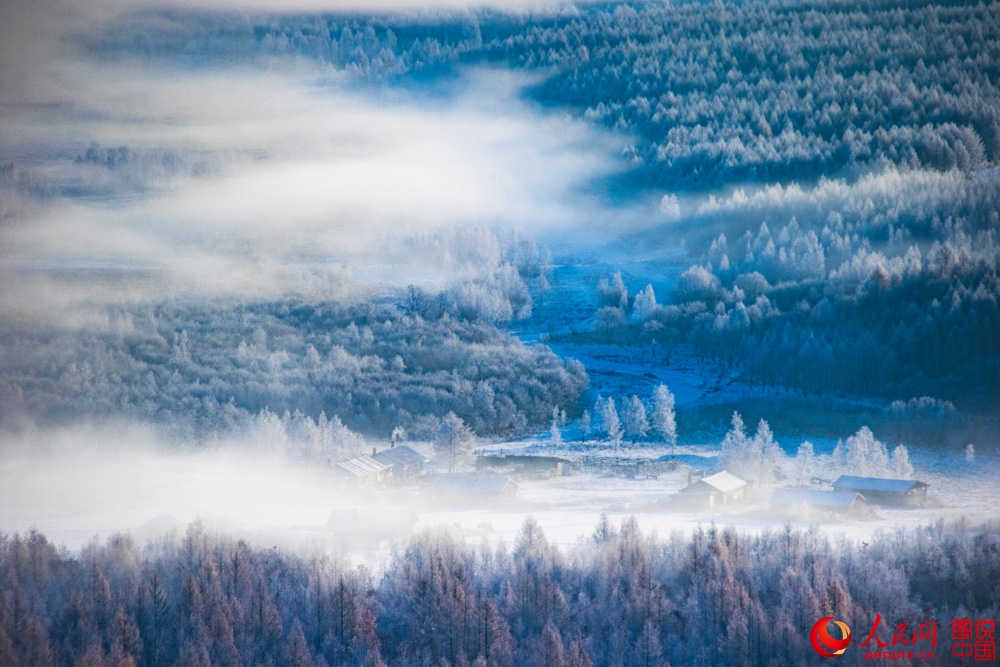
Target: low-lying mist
91	480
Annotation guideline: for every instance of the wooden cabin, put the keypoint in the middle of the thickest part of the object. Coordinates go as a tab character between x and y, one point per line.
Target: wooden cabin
362	468
722	488
405	463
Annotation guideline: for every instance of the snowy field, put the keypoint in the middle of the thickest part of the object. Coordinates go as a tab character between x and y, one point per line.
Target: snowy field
569	507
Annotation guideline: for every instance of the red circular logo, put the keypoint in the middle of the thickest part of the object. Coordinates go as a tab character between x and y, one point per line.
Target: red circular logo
824	643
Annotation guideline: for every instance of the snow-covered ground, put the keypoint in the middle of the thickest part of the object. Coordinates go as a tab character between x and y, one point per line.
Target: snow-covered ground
273	502
569	507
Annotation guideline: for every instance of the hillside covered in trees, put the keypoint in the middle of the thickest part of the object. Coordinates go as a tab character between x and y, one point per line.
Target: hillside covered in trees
329	276
861	139
717	93
207	370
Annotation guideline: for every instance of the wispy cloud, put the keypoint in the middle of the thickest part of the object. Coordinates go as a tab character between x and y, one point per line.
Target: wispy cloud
282	179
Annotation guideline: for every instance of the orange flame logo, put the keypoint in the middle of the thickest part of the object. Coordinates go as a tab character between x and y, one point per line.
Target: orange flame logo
824	643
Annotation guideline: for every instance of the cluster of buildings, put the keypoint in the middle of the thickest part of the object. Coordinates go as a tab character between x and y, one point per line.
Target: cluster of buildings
850	495
401	464
397	463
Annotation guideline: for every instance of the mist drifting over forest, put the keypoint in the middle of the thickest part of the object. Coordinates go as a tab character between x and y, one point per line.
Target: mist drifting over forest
461	332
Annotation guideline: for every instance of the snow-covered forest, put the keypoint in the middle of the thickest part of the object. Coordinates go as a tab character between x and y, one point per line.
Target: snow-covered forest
330	330
620	598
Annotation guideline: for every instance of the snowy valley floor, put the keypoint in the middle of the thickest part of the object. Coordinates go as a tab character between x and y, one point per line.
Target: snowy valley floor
273	502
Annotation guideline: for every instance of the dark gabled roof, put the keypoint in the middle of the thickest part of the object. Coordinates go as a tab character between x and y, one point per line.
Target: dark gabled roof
399	455
878	484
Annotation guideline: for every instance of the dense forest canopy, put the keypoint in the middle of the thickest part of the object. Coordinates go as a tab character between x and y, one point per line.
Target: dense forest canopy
864	135
716	93
204	370
622	598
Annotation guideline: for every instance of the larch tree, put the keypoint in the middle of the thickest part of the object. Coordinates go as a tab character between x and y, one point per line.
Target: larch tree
805	460
454	439
767	453
664	420
556	438
585	425
612	424
636	422
900	462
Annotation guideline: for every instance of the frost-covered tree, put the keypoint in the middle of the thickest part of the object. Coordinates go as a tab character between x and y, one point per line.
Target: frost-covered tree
805	460
454	439
767	451
970	453
839	455
613	293
585	424
555	430
664	420
643	305
755	459
612	424
636	422
734	444
597	414
866	455
613	600
551	651
900	464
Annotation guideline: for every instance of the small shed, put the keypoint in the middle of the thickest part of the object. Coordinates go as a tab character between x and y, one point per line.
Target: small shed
404	462
840	502
362	468
472	485
884	490
722	488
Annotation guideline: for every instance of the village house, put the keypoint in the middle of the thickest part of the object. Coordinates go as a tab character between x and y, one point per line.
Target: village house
722	488
405	463
884	491
362	468
838	502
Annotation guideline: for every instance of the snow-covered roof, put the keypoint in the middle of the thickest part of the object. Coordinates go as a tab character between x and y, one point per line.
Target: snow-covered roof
724	481
399	455
471	483
882	484
834	499
362	466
